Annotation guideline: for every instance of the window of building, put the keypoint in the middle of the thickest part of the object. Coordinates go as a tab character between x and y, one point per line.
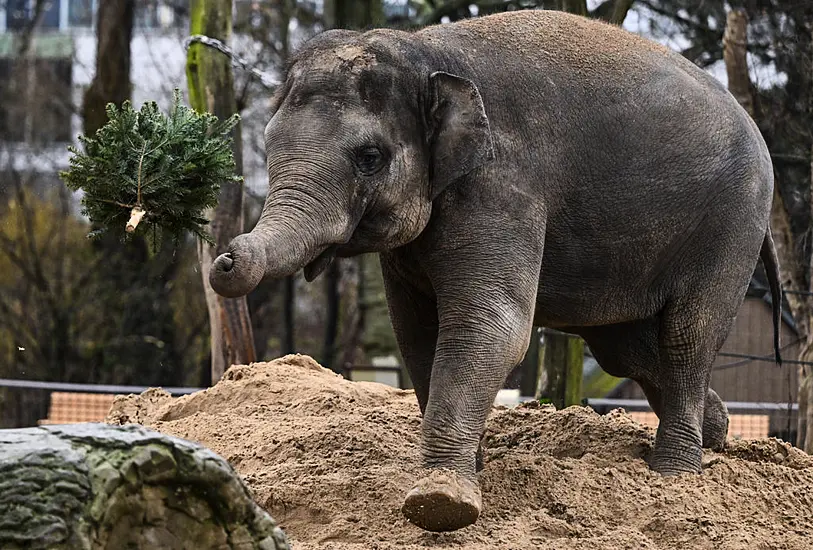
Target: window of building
19	14
157	14
80	13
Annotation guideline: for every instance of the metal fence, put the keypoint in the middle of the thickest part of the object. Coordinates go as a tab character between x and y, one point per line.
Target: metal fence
25	403
747	420
59	402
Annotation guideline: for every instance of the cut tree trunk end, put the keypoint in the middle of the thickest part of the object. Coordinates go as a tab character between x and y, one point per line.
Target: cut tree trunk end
98	486
135	218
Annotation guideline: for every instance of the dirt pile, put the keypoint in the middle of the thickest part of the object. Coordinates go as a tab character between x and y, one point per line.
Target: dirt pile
331	461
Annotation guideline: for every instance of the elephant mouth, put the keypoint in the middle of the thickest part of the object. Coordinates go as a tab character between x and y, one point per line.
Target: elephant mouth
321	263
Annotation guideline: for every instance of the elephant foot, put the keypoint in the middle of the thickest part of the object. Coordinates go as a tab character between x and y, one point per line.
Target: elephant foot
715	423
443	501
676	460
715	432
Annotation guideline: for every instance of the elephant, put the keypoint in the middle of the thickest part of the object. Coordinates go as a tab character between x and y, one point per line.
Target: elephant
530	168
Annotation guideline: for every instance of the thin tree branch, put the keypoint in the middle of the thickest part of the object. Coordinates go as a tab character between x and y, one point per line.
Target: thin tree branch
620	10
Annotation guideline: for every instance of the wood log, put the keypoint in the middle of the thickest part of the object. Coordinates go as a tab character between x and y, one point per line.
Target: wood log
97	486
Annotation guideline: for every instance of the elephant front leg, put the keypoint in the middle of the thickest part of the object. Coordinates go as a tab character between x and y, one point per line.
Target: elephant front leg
482	337
414	316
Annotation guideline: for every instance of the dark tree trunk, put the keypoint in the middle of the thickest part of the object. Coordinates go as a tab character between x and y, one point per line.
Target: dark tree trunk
354	14
620	10
111	83
332	278
355	295
579	7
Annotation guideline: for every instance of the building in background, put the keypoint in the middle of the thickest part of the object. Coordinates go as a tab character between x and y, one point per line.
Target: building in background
40	102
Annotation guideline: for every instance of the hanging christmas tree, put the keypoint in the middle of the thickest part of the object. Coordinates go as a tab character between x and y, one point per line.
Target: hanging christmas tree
147	172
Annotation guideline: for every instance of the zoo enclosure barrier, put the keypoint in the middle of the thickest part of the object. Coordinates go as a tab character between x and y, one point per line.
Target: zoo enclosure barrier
69	403
747	420
25	403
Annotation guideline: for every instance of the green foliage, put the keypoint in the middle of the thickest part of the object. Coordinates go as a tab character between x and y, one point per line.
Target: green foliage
166	169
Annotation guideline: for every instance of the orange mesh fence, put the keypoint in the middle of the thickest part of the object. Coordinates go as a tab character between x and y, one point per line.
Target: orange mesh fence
72	408
740	426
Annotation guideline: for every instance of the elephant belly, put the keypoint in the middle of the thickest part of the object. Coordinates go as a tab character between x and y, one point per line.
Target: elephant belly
602	285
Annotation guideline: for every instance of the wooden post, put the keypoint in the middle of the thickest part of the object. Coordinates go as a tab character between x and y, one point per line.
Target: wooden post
564	361
573	371
530	366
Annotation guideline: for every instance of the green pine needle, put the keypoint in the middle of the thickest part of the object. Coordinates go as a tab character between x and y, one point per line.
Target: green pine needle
166	169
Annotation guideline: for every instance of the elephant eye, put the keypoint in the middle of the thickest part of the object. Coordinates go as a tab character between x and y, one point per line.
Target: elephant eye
370	160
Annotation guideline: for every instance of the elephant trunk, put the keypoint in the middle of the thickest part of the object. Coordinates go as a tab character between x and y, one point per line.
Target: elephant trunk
285	239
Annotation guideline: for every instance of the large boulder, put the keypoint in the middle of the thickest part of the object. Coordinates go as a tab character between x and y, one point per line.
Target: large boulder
97	486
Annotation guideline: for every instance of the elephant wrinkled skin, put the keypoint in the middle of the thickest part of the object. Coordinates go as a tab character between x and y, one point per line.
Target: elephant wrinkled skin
526	168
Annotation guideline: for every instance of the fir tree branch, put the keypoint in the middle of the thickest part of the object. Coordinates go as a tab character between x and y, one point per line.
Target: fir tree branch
167	181
138	180
117	203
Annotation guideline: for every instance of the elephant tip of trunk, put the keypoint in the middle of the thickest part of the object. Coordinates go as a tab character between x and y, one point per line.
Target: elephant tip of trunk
226	262
236	274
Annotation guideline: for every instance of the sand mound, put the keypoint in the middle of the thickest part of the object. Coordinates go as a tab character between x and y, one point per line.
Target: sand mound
331	461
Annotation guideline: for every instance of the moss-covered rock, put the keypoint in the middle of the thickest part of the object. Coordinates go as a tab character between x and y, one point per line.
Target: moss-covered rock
95	486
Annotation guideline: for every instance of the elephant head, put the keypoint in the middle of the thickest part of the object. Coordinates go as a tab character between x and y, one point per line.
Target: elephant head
362	139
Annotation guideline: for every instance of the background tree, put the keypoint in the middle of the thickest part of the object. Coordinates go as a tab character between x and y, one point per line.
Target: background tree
775	35
211	88
138	280
72	309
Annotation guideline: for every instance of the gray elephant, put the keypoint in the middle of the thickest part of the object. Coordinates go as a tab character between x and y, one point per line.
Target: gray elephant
520	169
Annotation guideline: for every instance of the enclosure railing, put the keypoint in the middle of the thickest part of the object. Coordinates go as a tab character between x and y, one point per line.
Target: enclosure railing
747	419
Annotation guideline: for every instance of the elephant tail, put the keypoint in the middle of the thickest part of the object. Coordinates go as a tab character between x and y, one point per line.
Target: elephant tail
771	263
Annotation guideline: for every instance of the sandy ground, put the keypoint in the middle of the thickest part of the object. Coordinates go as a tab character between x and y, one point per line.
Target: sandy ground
331	460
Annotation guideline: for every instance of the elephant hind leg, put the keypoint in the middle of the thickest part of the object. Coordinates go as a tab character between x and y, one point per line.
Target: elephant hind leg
715	416
631	350
691	333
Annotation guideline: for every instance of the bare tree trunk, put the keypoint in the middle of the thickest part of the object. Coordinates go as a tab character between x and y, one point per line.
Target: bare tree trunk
353	14
211	88
27	33
805	413
792	270
353	293
579	7
804	431
111	83
736	61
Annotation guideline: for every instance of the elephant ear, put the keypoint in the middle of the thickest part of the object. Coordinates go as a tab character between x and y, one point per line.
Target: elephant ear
461	140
